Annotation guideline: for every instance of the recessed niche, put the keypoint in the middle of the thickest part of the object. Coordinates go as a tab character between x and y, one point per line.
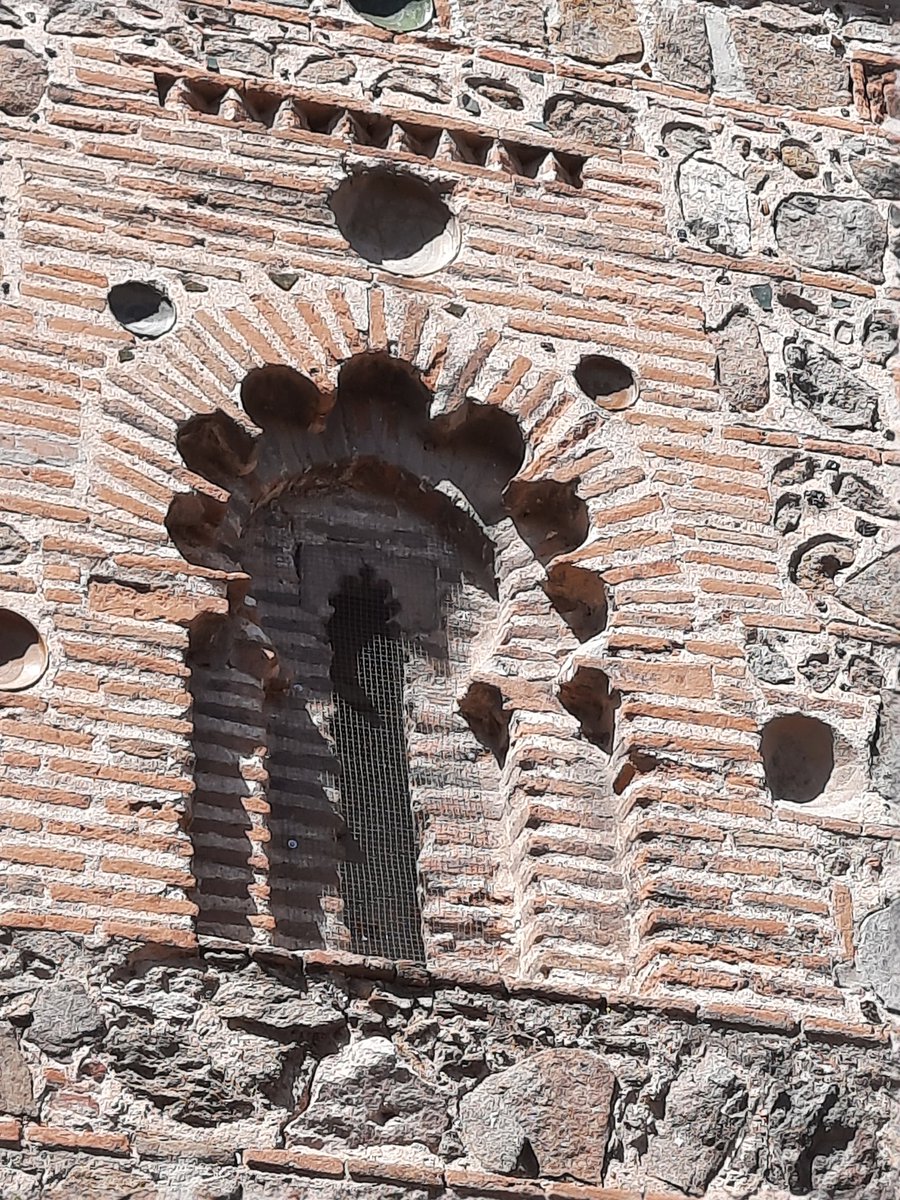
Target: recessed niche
579	596
607	381
483	709
276	394
143	309
216	447
397	222
798	757
401	16
588	698
23	652
550	516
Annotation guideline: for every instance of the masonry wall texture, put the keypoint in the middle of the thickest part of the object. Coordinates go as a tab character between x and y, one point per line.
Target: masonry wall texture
449	600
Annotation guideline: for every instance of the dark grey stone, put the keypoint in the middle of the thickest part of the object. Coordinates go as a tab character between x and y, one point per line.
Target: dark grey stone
878	173
64	1017
714	205
835	395
368	1094
23	80
590	122
254	997
865	497
13	546
878	956
681	47
705	1111
833	234
880	335
820	671
874	592
886	748
233	54
769	665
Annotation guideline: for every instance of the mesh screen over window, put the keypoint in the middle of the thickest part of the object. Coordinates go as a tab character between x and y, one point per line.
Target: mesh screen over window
380	882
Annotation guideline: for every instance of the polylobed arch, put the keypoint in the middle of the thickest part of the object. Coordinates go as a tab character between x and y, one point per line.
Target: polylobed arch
337	487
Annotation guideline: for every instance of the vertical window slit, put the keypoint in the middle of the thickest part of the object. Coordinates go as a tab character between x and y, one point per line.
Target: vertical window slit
379	880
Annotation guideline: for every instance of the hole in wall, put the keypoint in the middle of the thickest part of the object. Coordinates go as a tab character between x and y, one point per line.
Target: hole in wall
607	381
579	596
143	309
397	222
483	709
550	516
402	16
588	698
798	757
216	447
23	652
274	393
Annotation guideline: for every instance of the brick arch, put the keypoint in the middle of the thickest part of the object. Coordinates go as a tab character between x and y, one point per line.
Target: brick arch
464	378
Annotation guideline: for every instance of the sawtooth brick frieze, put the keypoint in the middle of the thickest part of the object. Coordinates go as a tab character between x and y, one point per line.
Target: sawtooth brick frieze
449	600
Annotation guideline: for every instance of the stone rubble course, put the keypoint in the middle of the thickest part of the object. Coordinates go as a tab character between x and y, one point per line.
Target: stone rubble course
449	600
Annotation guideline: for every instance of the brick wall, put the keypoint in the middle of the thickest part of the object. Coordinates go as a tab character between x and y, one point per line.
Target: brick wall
589	312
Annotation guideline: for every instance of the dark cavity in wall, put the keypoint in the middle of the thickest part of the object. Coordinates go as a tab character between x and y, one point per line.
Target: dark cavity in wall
550	516
588	698
579	596
380	881
798	757
483	709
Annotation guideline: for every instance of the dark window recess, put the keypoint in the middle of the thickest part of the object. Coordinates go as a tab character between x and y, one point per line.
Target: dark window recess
379	879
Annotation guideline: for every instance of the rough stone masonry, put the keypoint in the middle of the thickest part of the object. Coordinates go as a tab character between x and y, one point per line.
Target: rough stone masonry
450	600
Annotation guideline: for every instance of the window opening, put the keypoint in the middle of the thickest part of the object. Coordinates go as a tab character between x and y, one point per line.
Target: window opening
380	884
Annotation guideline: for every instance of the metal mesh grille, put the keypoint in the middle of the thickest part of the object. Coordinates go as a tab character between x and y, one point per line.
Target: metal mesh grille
380	882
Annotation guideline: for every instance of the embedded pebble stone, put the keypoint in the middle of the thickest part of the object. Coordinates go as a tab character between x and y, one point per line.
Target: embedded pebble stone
801	159
833	233
714	205
23	80
878	957
778	67
589	121
835	395
742	367
681	48
874	592
601	31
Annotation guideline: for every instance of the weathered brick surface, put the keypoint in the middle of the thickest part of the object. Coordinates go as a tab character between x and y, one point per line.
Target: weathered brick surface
657	359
